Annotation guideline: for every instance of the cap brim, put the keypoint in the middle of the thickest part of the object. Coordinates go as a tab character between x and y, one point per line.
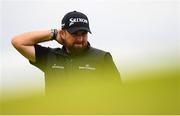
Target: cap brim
75	29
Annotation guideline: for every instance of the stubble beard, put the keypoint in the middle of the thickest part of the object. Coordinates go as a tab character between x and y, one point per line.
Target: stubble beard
77	48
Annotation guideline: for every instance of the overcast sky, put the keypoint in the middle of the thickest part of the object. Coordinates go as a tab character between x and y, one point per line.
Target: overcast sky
138	33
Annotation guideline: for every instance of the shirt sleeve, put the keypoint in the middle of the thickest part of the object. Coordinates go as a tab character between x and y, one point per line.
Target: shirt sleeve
40	56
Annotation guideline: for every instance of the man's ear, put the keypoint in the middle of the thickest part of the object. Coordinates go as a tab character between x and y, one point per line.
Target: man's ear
62	34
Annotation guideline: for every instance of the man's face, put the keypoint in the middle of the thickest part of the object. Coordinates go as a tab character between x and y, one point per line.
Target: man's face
75	42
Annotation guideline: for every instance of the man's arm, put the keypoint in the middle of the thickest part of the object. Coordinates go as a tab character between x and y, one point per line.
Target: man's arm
25	42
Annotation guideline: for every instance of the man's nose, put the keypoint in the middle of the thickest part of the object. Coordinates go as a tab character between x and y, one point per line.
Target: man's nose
80	38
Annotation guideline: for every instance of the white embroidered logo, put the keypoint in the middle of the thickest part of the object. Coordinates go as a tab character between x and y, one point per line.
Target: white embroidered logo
86	67
75	20
63	24
56	66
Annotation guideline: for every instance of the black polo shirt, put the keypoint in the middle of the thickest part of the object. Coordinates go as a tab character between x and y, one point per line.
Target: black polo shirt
59	66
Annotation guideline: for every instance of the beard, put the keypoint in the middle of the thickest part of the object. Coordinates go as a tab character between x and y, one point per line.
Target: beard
77	48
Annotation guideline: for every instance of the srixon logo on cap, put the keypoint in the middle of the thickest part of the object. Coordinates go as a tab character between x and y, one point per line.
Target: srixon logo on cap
76	20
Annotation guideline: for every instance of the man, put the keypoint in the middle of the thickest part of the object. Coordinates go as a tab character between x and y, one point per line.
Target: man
76	61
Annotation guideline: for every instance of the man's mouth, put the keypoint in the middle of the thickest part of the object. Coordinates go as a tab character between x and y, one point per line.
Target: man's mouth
79	43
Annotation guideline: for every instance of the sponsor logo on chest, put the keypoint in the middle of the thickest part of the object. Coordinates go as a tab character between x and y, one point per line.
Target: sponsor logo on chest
87	67
80	67
54	66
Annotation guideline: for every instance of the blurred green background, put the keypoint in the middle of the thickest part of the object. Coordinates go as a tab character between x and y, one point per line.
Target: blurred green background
158	95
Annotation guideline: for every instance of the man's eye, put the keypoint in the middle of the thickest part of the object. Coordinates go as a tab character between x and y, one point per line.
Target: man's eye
74	34
84	33
79	33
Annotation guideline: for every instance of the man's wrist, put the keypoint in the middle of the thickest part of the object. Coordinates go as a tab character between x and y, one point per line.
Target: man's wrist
53	34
